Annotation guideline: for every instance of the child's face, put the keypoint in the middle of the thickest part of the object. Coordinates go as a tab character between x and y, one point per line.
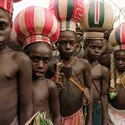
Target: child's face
40	55
5	28
94	49
120	60
67	44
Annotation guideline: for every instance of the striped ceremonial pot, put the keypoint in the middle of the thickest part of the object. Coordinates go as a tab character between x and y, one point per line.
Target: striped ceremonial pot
8	5
98	16
68	12
117	37
35	24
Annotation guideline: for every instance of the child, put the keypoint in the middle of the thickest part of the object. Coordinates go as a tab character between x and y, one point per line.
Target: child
93	48
38	29
116	110
15	75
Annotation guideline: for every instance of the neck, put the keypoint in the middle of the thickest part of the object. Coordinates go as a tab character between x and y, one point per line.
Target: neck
4	50
69	62
92	61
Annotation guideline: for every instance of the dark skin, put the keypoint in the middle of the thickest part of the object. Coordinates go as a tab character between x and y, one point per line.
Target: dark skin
70	95
79	38
15	78
47	99
99	75
118	102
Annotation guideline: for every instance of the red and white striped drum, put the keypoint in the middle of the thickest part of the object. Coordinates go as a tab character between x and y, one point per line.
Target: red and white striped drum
68	12
98	16
117	37
8	5
36	24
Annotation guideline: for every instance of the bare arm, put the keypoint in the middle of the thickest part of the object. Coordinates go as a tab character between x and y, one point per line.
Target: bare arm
88	84
104	98
54	101
24	88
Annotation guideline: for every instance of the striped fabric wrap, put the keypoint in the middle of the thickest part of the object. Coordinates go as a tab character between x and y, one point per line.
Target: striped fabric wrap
8	5
117	37
98	16
68	12
35	24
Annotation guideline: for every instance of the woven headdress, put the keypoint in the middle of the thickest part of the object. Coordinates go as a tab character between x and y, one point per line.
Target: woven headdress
7	5
68	12
98	16
36	24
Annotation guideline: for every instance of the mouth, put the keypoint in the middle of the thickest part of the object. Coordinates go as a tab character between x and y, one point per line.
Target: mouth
39	73
1	42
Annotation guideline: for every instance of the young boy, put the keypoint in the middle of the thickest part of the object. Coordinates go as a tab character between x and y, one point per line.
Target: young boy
93	47
42	30
15	75
116	110
71	83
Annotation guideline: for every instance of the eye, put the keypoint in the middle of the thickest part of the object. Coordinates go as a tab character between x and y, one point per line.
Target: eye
3	25
35	59
46	59
92	47
99	48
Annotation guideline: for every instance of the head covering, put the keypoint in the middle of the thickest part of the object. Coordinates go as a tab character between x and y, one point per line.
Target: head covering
117	37
7	5
68	12
93	35
35	24
98	16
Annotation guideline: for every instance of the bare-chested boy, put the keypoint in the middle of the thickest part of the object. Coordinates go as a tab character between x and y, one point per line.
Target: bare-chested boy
71	85
93	47
37	45
116	110
15	75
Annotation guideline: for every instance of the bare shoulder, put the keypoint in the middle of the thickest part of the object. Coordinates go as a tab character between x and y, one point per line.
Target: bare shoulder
51	85
104	69
84	62
21	58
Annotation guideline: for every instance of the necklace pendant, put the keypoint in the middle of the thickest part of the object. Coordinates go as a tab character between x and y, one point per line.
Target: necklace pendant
118	80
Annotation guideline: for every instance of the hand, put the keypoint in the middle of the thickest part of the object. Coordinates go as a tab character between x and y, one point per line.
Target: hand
59	86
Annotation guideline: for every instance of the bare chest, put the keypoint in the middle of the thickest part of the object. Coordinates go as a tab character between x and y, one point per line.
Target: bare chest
40	92
8	69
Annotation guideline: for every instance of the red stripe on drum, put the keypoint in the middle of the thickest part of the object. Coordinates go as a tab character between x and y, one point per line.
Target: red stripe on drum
123	33
20	35
29	20
96	12
52	7
49	23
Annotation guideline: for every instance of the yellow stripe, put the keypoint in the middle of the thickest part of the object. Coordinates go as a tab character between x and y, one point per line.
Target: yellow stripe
39	19
54	28
22	24
63	9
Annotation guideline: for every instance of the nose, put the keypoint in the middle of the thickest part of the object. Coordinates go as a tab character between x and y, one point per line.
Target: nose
78	35
67	47
40	64
120	62
96	50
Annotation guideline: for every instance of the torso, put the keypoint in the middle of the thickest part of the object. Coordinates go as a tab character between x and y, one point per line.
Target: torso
119	102
41	96
96	73
71	96
8	88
